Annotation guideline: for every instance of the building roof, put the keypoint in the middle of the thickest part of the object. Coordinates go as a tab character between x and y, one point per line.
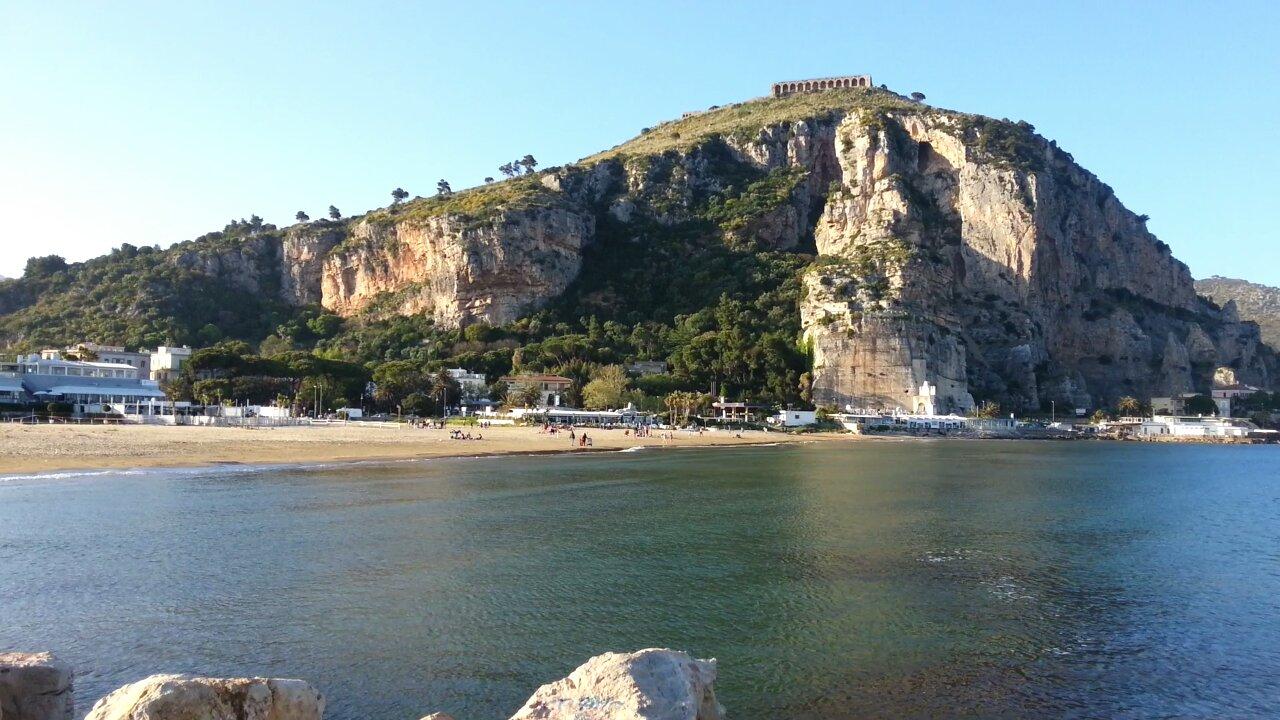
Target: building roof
134	390
537	378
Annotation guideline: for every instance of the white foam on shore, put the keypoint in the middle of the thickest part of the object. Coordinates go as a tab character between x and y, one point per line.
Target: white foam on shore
67	475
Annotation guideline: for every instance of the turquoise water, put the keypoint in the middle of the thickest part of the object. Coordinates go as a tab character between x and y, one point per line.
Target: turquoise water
877	579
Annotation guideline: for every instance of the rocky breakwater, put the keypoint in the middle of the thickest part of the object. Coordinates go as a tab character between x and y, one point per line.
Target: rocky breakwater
485	261
182	697
651	684
35	686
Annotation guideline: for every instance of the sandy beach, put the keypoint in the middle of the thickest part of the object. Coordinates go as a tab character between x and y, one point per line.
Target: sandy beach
49	448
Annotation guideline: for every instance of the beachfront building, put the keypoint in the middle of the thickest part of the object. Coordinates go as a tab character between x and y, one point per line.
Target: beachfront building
471	384
167	362
931	422
731	411
794	418
90	387
1197	426
551	388
627	416
95	352
863	421
11	391
995	424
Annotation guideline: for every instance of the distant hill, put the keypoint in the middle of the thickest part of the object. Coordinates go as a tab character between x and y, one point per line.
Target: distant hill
1259	303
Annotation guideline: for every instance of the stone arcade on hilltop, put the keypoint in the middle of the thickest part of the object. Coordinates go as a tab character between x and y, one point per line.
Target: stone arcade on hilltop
791	87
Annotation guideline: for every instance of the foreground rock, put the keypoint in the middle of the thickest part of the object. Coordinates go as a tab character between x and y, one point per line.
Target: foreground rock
34	686
649	684
182	697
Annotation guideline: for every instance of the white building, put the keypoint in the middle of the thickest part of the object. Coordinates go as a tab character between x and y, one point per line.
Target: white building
471	384
114	354
167	362
1197	427
90	387
551	388
794	418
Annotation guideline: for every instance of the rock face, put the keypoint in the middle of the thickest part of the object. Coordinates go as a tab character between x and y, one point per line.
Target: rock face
1251	301
182	697
649	684
303	250
35	686
977	258
458	270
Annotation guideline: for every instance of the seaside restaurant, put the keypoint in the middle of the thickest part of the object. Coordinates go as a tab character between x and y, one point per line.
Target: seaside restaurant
91	387
11	391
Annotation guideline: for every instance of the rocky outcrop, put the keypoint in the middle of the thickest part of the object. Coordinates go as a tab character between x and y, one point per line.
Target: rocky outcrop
1248	301
249	264
649	684
182	697
457	270
989	268
303	250
35	686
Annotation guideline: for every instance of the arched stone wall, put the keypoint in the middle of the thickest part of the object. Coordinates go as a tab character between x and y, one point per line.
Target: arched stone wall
790	87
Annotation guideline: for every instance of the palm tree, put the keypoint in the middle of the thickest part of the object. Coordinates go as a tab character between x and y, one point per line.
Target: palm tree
443	386
1129	406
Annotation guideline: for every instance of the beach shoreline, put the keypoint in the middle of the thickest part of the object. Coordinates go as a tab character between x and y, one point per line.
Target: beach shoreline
43	449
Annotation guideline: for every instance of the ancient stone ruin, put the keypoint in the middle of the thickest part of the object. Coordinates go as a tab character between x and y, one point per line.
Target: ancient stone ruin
791	87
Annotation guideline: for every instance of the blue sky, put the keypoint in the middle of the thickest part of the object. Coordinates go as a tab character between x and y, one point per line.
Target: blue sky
154	122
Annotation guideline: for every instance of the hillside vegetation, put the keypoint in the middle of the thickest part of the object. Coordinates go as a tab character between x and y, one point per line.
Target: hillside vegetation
746	119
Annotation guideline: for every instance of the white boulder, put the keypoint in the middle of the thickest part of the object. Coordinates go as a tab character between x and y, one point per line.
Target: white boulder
651	684
183	697
35	686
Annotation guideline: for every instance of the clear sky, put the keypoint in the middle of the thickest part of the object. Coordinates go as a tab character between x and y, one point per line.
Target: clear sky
154	122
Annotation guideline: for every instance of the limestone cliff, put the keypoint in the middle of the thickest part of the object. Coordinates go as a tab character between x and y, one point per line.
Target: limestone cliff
455	269
971	255
954	252
979	258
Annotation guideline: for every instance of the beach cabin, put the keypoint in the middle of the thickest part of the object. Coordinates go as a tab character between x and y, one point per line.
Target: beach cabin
794	418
